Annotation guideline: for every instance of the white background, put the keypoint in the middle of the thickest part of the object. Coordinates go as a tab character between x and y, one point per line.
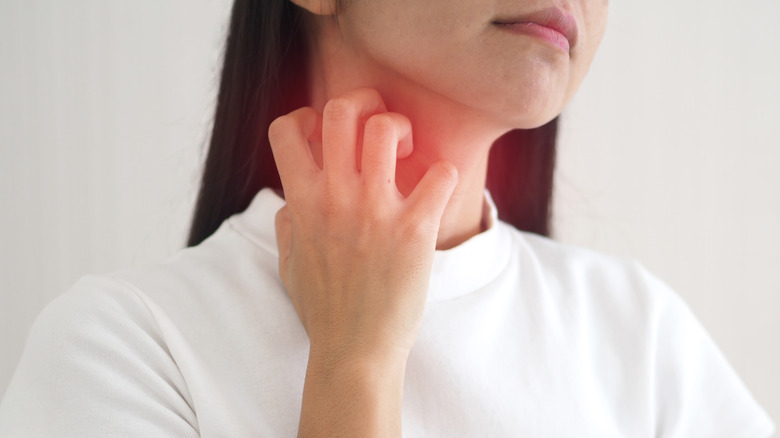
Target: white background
668	154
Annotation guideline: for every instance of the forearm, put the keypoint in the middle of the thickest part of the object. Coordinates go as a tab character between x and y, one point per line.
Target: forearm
352	398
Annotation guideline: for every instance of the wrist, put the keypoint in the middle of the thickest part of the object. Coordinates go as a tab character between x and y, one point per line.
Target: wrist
358	395
364	362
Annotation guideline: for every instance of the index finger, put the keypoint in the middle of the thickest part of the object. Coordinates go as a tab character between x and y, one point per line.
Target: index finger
289	138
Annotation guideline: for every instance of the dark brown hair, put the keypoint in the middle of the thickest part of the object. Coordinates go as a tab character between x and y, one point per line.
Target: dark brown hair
264	76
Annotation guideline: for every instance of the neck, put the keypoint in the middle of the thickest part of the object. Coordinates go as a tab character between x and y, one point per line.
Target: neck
441	130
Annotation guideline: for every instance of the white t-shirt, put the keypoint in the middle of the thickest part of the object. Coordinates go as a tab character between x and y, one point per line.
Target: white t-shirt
521	336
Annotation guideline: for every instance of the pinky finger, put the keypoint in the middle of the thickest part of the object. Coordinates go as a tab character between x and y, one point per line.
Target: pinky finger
434	190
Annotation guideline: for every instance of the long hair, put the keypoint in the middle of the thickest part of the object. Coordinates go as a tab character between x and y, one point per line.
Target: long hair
264	75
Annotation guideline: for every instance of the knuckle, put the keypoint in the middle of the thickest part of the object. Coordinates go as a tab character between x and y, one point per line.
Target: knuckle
332	206
418	227
373	215
381	125
339	108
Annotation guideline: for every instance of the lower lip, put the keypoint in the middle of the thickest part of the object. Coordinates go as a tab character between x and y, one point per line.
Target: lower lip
539	31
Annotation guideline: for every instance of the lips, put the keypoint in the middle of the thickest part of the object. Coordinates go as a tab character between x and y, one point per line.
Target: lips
551	18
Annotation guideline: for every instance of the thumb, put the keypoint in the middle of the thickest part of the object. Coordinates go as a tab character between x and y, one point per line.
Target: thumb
283	226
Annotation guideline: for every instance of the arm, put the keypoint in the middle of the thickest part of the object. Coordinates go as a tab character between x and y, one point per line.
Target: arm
357	397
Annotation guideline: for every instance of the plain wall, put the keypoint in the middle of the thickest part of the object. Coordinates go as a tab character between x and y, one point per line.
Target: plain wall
668	154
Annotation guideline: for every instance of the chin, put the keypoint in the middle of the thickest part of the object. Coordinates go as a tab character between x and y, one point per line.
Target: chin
539	111
527	109
528	120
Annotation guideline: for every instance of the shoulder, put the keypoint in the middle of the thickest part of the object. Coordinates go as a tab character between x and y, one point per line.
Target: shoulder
223	282
586	275
110	355
90	313
228	260
95	361
646	336
563	257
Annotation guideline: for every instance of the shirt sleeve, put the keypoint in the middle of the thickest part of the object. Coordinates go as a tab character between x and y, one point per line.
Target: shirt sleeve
698	393
95	365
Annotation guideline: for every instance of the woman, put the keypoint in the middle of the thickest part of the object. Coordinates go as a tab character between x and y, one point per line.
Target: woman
381	294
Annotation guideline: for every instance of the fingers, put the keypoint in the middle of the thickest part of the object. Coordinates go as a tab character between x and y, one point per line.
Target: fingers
381	138
289	137
434	190
341	125
386	138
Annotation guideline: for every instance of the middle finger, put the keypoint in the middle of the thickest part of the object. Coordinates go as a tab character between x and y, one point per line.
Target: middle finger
341	126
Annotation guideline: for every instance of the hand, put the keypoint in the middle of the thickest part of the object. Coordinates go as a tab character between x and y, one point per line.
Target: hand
354	254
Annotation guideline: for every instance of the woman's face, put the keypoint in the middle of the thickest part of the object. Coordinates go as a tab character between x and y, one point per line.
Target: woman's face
456	49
